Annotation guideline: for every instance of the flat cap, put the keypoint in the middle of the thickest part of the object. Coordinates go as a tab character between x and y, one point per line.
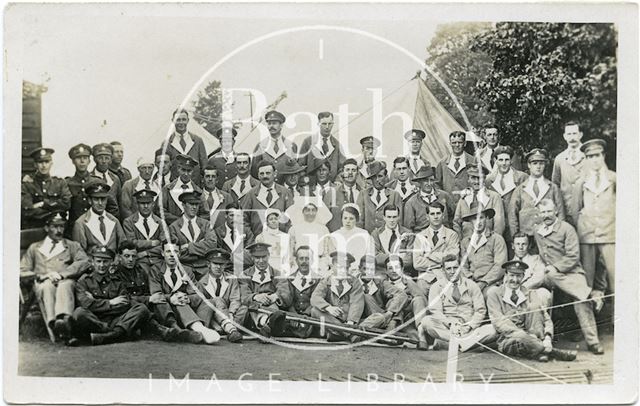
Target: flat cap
41	154
274	115
594	145
415	135
102	252
145	196
515	266
537	154
102	149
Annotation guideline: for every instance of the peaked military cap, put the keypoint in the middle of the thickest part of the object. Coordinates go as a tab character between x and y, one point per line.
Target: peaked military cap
98	189
517	267
102	149
186	161
537	154
190	197
259	248
594	144
79	150
41	154
218	256
102	252
415	135
274	115
145	196
57	217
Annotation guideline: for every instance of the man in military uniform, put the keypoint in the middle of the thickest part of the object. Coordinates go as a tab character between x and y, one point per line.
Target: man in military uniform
392	238
519	317
416	216
97	227
451	172
183	142
369	145
144	230
223	293
55	263
136	281
266	195
213	201
485	250
143	181
322	147
175	282
102	156
524	214
402	184
534	274
193	235
415	138
457	308
42	193
568	168
170	200
163	164
224	159
116	163
80	157
105	314
239	185
374	199
276	148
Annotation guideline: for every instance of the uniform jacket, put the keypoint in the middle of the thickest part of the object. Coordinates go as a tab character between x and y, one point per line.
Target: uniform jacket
469	310
386	295
229	290
301	292
596	208
86	231
214	213
50	190
416	217
112	180
414	166
508	317
136	282
122	173
534	275
311	153
237	246
255	202
80	201
559	247
128	204
225	165
233	187
372	214
135	232
265	151
484	259
566	174
351	301
274	282
169	199
512	180
160	280
489	200
427	256
523	214
335	205
382	237
67	258
93	292
194	148
450	180
410	190
204	241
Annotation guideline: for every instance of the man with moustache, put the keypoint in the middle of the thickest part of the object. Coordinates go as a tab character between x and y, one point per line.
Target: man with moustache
41	194
183	142
144	230
451	172
213	200
416	208
103	156
346	192
143	181
54	263
116	163
275	148
322	147
97	227
374	199
568	168
239	185
170	200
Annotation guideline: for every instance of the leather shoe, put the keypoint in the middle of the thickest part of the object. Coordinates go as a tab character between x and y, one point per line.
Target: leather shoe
107	338
188	336
596	349
422	346
356	339
62	328
234	337
562	355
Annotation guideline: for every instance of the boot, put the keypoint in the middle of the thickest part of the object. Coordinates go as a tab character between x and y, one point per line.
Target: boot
234	337
62	327
114	336
277	323
188	336
166	334
562	355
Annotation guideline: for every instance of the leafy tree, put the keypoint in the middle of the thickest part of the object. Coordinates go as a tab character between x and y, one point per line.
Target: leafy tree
208	106
544	74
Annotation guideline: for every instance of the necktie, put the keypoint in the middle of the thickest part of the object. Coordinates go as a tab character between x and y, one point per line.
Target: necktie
104	176
232	235
303	281
475	198
378	197
210	200
434	239
403	188
351	199
145	224
242	185
218	287
263	273
536	189
183	143
502	184
147	185
572	156
514	297
340	289
103	228
275	147
269	196
293	193
597	179
325	146
53	246
174	277
393	239
191	230
415	164
455	293
365	286
456	164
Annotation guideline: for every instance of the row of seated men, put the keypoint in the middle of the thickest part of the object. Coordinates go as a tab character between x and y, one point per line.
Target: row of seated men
169	299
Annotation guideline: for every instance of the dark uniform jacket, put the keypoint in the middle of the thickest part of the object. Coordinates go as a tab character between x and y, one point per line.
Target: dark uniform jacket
135	232
80	201
226	168
194	148
372	214
251	284
416	213
93	292
311	153
233	186
160	280
255	204
122	173
136	282
169	199
205	240
50	190
386	295
86	231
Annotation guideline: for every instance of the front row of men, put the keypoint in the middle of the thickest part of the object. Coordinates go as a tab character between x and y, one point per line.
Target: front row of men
119	302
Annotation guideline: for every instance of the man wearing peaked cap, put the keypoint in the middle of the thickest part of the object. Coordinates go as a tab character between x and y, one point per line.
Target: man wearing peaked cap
105	313
369	146
103	157
184	142
224	160
518	315
524	214
142	181
80	157
144	229
415	138
194	235
262	286
596	202
322	146
54	263
373	200
415	215
170	196
42	193
223	293
96	227
274	148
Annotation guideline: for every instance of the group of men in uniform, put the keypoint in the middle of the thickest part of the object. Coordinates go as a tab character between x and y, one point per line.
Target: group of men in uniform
469	246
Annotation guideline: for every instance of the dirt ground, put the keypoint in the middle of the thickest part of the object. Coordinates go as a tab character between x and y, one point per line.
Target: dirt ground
144	358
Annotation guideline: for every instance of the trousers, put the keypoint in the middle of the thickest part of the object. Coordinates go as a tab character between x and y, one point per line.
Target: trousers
186	315
526	343
598	278
437	327
55	299
221	314
376	320
87	322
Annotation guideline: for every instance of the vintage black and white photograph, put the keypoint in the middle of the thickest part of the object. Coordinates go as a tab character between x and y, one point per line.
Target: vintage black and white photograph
320	203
